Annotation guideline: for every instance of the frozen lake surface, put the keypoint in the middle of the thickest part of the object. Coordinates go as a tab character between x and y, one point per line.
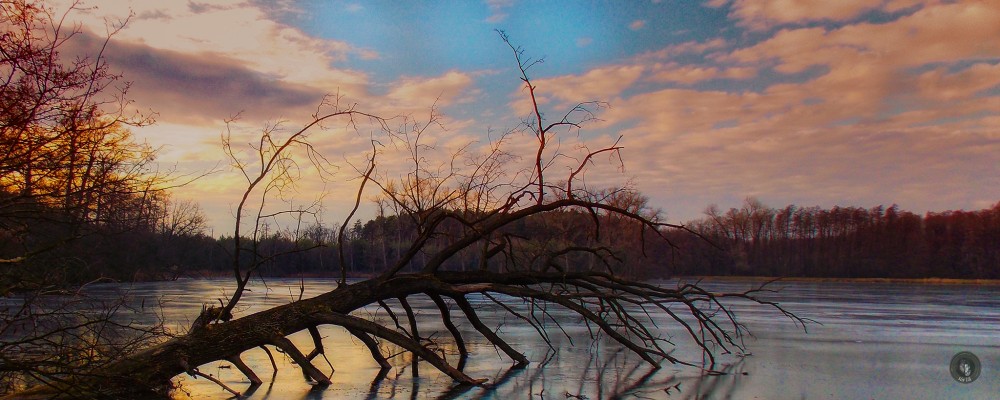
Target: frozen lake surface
881	341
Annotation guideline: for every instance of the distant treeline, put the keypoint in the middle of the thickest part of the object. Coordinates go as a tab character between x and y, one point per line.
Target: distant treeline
883	242
753	240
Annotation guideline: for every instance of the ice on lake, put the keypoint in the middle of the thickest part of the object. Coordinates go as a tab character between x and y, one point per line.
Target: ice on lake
881	341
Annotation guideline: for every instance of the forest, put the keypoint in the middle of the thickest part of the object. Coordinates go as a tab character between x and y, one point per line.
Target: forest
164	241
840	242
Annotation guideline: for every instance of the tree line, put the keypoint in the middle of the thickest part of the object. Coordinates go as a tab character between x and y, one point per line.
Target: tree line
165	239
877	242
752	240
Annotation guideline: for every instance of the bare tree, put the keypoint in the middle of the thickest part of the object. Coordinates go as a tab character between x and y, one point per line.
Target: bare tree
183	218
466	201
68	156
69	169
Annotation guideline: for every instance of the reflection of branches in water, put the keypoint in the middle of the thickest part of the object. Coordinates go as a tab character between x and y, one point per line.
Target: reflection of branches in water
722	383
384	386
718	385
539	375
615	376
598	371
608	376
47	337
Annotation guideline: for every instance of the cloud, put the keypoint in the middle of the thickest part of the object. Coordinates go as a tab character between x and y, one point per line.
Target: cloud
672	51
862	113
789	51
766	14
943	33
637	25
899	5
688	74
584	42
199	64
421	93
236	30
599	84
152	14
206	87
942	85
682	148
199	8
869	66
498	10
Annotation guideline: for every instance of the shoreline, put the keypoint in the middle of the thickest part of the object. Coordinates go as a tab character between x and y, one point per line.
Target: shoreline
911	281
717	278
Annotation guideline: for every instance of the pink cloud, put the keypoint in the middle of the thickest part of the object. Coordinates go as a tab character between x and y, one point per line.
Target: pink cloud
939	84
687	74
793	50
692	47
765	14
867	63
943	33
421	93
263	44
597	84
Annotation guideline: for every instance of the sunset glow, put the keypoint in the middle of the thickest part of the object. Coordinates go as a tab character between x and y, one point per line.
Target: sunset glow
810	102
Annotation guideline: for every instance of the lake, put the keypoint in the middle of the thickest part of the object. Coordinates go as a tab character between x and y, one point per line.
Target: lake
880	341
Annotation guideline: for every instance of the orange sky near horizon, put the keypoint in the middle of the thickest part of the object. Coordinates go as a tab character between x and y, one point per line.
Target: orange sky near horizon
851	103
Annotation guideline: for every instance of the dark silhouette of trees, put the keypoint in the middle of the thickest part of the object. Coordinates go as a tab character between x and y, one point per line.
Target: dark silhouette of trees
855	242
70	168
79	201
793	241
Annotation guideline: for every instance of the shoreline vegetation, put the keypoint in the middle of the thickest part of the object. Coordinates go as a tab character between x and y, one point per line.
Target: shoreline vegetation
691	278
809	244
907	281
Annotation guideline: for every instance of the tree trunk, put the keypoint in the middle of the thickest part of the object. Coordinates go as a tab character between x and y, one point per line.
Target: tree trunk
152	369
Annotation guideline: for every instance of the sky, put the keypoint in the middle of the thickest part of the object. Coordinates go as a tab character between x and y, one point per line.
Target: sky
848	102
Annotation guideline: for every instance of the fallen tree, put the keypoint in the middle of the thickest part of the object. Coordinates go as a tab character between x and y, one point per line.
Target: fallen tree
460	208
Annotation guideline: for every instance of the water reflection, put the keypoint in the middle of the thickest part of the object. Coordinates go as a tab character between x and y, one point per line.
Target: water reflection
876	341
614	377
